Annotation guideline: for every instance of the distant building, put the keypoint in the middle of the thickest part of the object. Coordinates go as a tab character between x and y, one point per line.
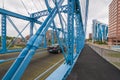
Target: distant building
114	23
19	41
27	37
99	31
90	36
49	35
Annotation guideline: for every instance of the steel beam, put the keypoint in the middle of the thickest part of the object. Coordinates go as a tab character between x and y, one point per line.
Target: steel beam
15	27
9	13
53	23
62	9
15	39
3	32
70	29
80	32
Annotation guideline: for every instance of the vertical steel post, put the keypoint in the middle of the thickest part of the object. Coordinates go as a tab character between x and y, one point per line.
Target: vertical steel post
80	35
31	26
52	32
80	30
77	33
3	32
70	30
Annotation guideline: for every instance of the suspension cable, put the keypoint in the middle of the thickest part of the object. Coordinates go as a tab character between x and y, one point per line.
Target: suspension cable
3	2
35	5
41	7
25	7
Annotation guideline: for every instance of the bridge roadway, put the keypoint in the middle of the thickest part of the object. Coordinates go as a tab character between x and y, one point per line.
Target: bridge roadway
91	66
41	61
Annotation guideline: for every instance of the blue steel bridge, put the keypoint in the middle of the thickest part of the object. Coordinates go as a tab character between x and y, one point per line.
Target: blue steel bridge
71	15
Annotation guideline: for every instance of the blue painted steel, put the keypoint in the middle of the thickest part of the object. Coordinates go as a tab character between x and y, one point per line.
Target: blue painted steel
6	60
3	32
2	61
73	10
60	44
15	40
15	27
31	26
80	32
70	29
54	27
19	66
59	73
49	10
37	15
61	22
9	13
66	68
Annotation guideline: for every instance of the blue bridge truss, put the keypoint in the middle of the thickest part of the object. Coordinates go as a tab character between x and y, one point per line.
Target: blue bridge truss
73	29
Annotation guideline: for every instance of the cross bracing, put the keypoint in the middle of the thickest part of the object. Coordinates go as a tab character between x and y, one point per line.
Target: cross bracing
67	18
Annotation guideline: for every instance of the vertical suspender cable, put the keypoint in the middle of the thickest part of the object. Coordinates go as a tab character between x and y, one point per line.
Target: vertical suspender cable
3	2
25	7
35	5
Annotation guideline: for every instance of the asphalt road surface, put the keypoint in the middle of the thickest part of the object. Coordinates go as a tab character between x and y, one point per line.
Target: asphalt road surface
40	63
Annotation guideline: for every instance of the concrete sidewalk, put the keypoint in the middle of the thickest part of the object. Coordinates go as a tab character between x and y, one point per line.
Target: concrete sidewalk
90	66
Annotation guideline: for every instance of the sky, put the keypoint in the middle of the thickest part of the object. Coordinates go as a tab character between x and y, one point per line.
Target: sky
98	9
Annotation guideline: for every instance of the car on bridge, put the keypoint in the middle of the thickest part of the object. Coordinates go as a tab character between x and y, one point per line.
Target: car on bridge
55	48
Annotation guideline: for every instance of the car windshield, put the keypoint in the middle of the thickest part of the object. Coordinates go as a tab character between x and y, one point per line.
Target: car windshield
55	45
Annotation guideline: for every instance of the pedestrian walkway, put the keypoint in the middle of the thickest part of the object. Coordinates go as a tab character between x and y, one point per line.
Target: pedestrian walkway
90	66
